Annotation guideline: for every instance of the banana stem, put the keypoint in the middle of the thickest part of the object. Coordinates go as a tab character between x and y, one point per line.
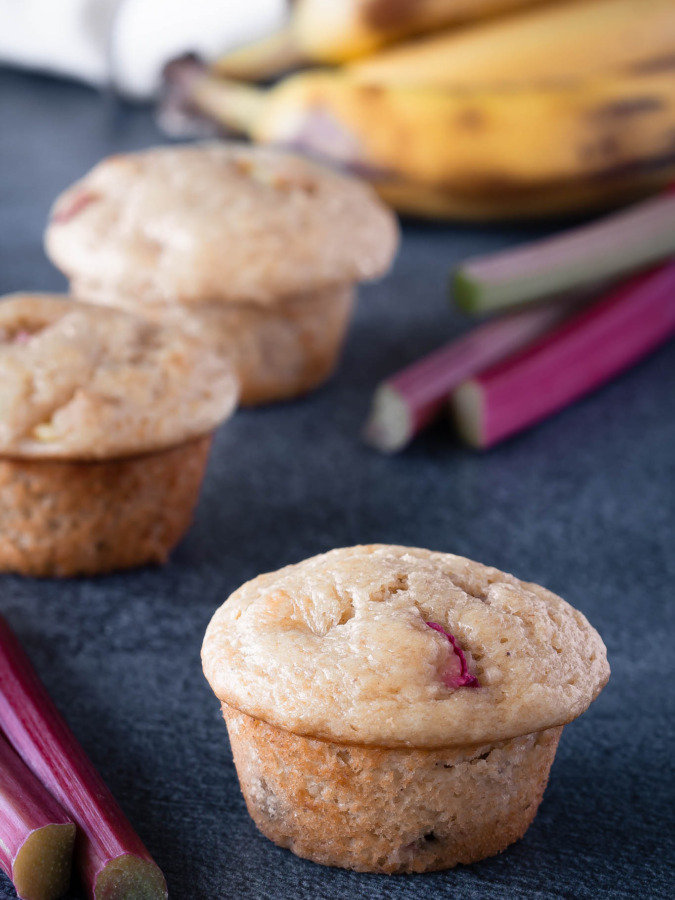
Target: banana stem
232	104
264	59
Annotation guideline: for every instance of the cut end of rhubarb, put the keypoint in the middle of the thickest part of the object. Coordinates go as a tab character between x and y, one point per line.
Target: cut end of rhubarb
389	427
466	408
465	292
130	878
42	866
113	863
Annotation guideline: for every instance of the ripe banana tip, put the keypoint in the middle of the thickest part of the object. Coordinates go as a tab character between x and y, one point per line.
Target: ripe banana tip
182	71
178	114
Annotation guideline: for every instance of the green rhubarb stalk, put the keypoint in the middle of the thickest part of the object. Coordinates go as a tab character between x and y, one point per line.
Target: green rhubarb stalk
603	251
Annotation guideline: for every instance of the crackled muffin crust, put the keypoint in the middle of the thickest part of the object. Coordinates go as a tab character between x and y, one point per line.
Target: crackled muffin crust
338	648
79	382
217	222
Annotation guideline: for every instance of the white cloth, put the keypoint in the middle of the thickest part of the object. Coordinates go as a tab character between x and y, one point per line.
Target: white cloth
126	42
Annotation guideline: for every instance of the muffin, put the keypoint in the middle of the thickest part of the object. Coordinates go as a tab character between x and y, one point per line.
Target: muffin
256	251
105	428
391	709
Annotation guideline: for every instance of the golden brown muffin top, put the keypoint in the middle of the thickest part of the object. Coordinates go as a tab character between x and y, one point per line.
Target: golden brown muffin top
397	646
217	222
82	382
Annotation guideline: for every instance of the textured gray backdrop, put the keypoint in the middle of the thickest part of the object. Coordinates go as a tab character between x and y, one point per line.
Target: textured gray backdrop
585	504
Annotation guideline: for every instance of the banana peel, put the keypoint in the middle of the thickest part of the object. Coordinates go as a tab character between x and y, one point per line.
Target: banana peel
483	139
566	199
334	31
477	155
566	41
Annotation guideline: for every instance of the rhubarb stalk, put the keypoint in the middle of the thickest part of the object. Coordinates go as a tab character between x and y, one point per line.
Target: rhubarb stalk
577	357
458	674
603	251
36	836
407	402
113	863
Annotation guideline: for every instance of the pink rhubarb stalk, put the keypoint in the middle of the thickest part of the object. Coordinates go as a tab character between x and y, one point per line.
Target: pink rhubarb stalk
603	251
577	357
36	836
113	863
453	678
407	402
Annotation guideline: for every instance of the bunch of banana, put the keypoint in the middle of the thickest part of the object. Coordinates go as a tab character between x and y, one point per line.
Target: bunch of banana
552	109
559	42
334	31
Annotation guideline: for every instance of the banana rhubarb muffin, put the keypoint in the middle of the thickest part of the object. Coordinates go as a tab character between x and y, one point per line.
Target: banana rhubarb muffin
254	250
105	428
391	709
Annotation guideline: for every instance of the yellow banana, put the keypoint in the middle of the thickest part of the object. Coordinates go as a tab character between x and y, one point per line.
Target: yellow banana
264	59
334	31
564	199
480	143
565	41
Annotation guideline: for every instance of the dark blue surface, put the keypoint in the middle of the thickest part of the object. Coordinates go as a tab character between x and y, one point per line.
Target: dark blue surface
584	504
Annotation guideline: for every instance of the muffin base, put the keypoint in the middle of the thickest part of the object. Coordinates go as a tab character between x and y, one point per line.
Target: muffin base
374	809
279	351
64	518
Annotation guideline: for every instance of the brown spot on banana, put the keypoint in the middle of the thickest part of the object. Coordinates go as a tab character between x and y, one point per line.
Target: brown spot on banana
371	93
469	119
634	106
654	66
601	151
390	15
636	168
